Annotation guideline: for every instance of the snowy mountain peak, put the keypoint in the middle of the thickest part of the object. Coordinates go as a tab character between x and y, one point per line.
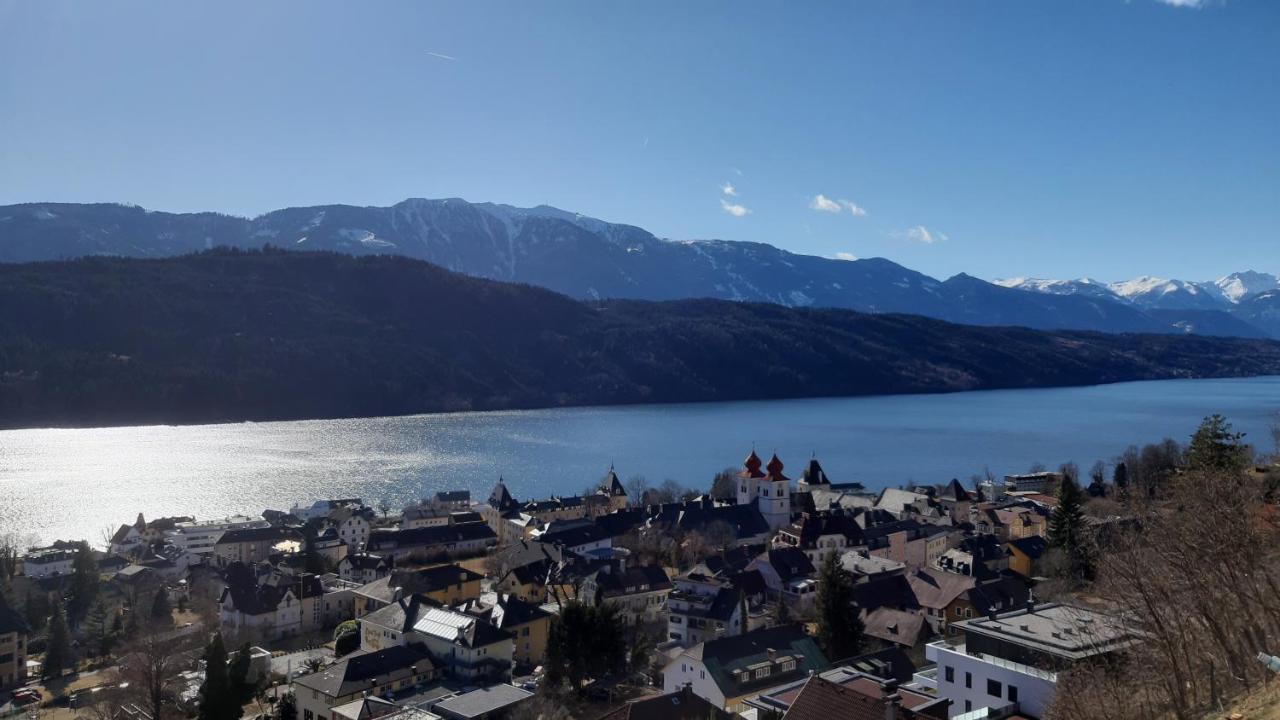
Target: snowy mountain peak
1238	286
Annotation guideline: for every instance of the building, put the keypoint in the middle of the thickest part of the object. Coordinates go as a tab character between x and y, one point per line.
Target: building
1012	660
14	633
528	624
467	538
388	670
453	499
420	516
821	535
363	568
681	704
728	671
494	701
639	593
1036	482
467	647
769	490
702	607
1025	554
847	693
789	575
251	545
48	562
198	538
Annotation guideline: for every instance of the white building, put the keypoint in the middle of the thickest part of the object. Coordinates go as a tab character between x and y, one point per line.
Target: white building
701	608
48	562
198	538
467	647
1011	661
769	490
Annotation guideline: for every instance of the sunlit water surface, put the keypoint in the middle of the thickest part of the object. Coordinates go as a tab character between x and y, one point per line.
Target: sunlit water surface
74	483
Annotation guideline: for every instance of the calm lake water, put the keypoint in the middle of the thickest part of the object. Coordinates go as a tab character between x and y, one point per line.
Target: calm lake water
73	483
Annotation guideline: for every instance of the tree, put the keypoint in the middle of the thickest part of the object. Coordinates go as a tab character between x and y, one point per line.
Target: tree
839	628
99	635
150	667
57	654
780	615
84	581
1098	480
670	491
1120	478
637	486
584	641
287	708
1214	446
217	698
724	486
160	610
36	607
238	675
1070	469
346	638
1067	529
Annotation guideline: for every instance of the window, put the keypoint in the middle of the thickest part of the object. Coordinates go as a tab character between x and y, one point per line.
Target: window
702	674
1013	693
307	715
968	680
968	706
788	666
949	673
994	688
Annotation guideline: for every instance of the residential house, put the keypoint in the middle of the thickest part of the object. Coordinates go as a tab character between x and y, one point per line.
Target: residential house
638	592
528	624
442	584
199	538
329	546
1025	555
1009	662
703	607
48	562
373	673
468	538
423	515
352	525
821	535
580	537
728	671
252	545
127	540
1012	522
467	647
789	575
891	626
680	704
363	568
14	634
493	702
535	571
947	598
847	693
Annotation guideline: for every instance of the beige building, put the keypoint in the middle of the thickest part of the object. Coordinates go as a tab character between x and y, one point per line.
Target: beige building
13	647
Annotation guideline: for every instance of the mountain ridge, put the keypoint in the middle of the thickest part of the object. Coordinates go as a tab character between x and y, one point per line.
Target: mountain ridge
580	256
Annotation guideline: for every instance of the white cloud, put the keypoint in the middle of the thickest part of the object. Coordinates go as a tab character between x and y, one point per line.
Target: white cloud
733	208
729	189
920	234
822	203
846	256
442	56
1183	3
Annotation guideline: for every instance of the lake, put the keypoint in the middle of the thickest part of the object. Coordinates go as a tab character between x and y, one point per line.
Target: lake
74	483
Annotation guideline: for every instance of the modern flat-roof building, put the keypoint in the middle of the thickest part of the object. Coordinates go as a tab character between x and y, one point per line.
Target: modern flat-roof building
1014	658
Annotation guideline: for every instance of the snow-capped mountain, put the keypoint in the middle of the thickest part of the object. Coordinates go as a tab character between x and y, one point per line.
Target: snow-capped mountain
1237	287
588	258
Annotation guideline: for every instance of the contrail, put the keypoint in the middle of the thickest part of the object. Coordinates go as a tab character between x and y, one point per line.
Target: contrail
442	56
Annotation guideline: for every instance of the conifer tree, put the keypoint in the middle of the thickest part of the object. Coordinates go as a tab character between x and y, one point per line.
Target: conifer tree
1067	532
238	674
217	701
1216	447
839	628
57	654
160	610
98	630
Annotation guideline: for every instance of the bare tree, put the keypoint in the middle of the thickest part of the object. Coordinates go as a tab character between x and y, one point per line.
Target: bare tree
636	488
151	668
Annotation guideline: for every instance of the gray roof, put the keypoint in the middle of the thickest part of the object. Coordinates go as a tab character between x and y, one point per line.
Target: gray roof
354	673
485	700
1064	631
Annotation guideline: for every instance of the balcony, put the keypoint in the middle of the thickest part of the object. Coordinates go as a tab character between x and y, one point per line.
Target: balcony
936	652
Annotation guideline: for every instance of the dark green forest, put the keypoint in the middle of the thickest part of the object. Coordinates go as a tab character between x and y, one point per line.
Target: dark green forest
232	335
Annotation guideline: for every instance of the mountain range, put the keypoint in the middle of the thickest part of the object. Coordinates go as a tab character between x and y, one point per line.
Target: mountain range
231	335
587	258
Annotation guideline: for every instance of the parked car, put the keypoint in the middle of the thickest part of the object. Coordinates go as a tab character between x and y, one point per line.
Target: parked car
26	696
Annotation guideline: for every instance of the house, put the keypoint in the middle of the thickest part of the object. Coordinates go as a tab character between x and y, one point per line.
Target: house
442	584
727	671
49	562
513	520
789	575
639	593
1012	522
324	508
14	634
420	516
981	556
278	606
1037	482
1010	661
453	499
903	504
467	647
858	697
367	673
1025	554
352	525
198	538
495	701
821	535
702	607
127	540
528	624
579	537
468	538
329	546
363	568
250	545
957	501
892	626
680	704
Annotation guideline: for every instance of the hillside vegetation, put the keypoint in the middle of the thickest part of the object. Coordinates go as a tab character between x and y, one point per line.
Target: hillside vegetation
233	335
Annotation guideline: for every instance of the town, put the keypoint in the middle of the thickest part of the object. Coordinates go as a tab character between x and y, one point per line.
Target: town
773	593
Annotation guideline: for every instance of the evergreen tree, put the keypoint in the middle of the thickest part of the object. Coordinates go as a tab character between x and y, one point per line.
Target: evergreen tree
839	628
1067	532
287	708
36	608
1120	478
238	675
57	654
98	629
585	641
84	582
217	701
781	615
1215	447
160	611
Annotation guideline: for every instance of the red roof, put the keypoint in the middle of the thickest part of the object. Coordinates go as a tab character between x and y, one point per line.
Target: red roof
751	466
775	465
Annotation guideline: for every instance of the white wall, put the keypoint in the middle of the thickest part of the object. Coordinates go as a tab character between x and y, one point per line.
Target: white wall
685	670
1035	691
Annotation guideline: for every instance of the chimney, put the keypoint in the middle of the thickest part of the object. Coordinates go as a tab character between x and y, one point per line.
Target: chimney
892	700
686	692
992	612
1031	601
773	654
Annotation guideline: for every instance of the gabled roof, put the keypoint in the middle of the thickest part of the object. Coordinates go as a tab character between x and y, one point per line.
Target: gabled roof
814	474
1032	546
501	498
790	563
266	534
725	658
936	589
427	536
679	705
11	621
634	580
507	611
611	485
365	561
122	534
956	492
814	526
573	533
352	675
859	697
893	625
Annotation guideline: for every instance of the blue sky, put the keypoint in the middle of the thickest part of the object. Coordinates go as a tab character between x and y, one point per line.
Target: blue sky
1100	137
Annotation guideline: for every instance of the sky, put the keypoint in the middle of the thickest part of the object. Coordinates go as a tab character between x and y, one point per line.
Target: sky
1101	138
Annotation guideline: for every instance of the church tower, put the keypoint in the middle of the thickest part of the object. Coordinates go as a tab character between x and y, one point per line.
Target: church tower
774	499
749	479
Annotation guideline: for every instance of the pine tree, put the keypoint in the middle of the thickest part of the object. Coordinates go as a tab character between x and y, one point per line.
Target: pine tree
84	582
1120	478
217	702
1215	447
160	610
1067	532
839	628
36	608
98	632
238	675
57	654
